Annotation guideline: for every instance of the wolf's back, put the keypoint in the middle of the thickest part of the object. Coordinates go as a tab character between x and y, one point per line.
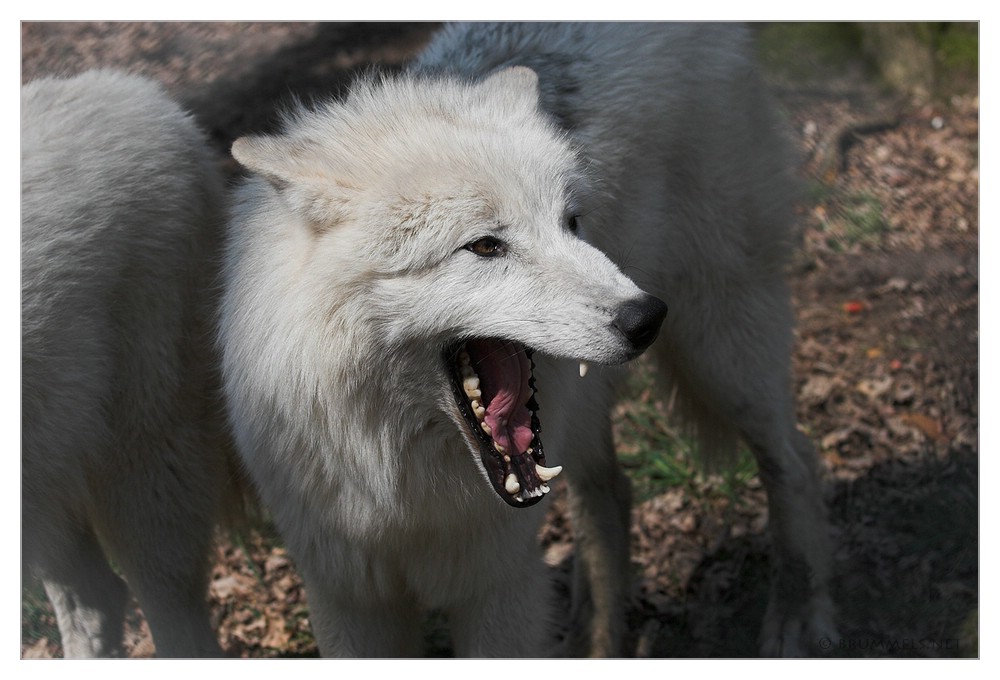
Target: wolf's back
674	123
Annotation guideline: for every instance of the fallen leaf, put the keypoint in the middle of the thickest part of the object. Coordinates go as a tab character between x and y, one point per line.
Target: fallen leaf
276	562
685	522
833	439
817	390
929	426
874	388
277	635
39	650
234	585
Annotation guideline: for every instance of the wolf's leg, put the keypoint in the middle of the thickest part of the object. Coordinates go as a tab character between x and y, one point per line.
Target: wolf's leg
600	508
800	611
733	364
356	627
157	516
512	616
88	597
578	433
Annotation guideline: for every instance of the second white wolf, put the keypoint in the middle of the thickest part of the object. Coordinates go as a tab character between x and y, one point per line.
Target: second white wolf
123	453
693	199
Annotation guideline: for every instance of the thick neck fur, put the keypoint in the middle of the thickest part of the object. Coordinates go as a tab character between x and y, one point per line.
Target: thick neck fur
386	433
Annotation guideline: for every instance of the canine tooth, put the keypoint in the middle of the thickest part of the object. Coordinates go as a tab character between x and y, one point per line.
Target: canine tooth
547	474
583	368
511	484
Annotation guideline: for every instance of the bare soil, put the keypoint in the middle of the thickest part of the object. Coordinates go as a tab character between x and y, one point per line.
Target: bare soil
886	364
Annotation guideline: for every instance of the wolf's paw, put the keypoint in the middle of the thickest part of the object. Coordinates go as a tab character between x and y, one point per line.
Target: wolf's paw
807	630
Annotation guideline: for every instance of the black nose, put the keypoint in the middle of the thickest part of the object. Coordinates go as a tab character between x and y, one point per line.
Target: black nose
639	320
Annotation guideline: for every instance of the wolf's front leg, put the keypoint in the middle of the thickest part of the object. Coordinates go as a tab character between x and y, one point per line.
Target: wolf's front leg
511	618
347	624
599	506
600	510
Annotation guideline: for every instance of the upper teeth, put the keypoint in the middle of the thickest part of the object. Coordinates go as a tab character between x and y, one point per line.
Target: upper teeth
583	368
547	474
471	385
478	409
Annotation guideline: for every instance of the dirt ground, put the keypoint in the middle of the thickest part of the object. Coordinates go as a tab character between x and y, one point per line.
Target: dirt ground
886	364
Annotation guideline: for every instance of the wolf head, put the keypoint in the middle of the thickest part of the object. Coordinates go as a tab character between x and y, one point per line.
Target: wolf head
436	227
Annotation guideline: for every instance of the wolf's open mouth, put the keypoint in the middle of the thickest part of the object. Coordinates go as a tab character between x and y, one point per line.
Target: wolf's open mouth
495	391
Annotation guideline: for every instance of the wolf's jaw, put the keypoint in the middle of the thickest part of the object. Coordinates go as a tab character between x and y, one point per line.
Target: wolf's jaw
511	454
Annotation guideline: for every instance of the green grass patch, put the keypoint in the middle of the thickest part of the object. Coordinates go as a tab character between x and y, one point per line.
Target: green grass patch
854	219
958	47
657	456
863	218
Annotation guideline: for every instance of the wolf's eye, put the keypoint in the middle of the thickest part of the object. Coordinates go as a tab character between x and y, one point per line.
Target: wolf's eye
573	224
486	247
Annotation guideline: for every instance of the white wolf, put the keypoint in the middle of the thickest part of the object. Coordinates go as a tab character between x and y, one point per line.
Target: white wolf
398	256
390	268
120	450
693	199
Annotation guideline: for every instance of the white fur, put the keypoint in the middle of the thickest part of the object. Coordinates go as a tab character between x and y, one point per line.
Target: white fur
346	277
120	451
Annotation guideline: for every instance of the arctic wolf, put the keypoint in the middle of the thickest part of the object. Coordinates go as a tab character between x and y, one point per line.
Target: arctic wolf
392	265
120	451
689	193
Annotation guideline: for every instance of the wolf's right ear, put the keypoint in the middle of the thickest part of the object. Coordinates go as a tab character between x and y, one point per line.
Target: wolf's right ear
310	186
265	156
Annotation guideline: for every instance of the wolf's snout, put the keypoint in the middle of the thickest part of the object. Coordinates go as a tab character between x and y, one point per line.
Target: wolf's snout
639	320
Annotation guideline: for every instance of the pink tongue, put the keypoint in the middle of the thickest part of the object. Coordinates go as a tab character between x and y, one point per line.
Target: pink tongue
504	371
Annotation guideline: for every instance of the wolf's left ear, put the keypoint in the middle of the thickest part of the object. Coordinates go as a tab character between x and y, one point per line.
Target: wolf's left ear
515	81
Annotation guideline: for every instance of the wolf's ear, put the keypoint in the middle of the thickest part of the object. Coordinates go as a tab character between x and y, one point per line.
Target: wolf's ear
516	81
267	156
292	169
